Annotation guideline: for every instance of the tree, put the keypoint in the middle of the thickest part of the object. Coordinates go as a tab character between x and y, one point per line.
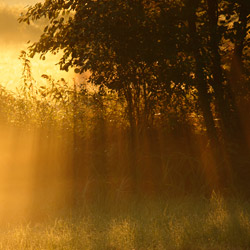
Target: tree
120	42
153	51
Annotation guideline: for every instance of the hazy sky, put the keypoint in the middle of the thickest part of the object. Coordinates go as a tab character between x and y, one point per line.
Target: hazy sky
13	2
14	38
13	32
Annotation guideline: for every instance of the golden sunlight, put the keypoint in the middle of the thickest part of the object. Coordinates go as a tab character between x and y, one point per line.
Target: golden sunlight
152	152
14	38
11	67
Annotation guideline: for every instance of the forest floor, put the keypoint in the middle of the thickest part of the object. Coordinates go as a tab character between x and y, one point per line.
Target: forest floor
177	223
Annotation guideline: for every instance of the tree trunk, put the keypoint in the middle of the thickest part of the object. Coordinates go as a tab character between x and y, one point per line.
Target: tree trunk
132	142
222	103
231	128
202	84
234	85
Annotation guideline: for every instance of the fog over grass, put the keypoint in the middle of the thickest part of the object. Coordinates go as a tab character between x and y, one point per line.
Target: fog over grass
126	163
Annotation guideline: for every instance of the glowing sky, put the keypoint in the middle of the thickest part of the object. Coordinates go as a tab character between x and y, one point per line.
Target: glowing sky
13	39
24	2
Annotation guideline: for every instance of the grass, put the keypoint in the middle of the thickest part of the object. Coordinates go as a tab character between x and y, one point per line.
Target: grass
187	223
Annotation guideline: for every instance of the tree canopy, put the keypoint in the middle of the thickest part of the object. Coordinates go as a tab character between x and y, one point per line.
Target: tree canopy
158	54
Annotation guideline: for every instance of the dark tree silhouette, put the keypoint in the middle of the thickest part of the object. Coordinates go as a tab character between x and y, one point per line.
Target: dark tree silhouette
153	52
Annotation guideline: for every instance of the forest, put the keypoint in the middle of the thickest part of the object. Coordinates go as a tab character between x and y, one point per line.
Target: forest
161	118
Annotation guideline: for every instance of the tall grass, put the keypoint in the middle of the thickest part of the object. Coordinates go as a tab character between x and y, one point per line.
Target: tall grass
92	129
186	223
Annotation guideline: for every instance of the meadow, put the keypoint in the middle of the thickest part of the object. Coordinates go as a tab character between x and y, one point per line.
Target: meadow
176	223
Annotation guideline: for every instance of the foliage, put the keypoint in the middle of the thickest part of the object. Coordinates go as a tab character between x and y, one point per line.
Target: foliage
167	58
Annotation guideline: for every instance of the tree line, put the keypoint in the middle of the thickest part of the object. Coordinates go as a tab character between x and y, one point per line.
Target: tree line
180	66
